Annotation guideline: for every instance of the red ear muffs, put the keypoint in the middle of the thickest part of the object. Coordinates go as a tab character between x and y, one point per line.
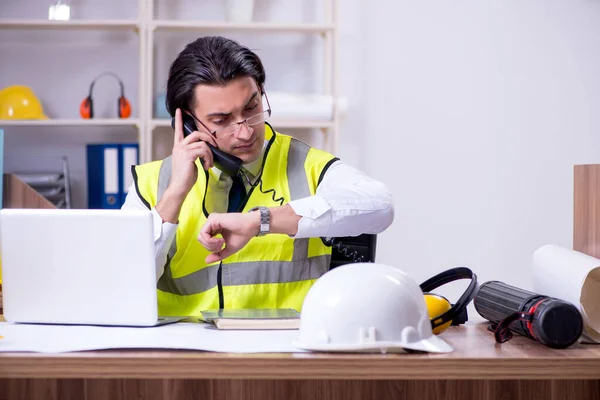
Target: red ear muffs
124	107
86	109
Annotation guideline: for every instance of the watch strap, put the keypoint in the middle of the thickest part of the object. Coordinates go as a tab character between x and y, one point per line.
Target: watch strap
265	220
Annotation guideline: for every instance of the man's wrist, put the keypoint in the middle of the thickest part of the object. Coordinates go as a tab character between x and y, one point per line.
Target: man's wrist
281	220
169	206
284	220
175	194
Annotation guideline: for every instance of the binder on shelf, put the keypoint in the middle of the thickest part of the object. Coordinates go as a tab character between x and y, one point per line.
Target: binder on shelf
129	157
109	173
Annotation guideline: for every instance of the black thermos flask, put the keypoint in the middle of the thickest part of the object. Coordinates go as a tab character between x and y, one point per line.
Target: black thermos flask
552	322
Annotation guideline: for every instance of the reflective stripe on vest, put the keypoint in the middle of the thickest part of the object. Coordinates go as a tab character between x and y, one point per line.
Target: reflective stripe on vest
243	273
246	273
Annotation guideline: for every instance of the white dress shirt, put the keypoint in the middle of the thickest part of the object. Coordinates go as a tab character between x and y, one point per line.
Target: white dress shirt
346	203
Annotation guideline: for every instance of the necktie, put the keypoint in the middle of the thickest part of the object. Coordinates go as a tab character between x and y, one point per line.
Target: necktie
237	194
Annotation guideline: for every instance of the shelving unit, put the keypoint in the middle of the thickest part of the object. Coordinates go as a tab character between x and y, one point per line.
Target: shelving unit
71	24
327	30
146	26
252	26
73	122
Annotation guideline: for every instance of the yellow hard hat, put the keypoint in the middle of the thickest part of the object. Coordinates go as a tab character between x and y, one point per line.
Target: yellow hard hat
19	102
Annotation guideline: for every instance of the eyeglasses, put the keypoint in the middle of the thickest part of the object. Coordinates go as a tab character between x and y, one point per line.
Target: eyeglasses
234	128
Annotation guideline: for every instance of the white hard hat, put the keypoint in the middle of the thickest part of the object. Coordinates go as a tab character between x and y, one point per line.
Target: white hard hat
366	307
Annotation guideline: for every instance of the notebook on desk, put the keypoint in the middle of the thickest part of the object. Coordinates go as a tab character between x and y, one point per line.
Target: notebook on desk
270	318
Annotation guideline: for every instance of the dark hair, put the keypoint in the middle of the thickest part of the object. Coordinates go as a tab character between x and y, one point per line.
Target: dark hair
210	60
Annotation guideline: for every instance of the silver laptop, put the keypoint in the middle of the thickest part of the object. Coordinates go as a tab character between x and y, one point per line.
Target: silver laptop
84	267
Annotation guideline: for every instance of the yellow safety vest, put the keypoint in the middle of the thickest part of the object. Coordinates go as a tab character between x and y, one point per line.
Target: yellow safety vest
271	271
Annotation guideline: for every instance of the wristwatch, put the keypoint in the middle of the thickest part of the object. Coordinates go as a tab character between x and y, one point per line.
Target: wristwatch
265	220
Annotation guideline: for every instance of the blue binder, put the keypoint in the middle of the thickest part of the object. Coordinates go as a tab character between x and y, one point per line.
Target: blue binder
109	173
129	156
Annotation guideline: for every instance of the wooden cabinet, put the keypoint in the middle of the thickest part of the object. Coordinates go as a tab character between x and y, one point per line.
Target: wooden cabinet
586	209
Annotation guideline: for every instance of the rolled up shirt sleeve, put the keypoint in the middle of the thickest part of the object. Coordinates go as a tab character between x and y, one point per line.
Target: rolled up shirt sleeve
347	203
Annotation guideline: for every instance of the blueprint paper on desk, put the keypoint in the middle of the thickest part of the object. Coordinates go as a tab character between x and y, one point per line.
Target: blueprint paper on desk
574	277
177	336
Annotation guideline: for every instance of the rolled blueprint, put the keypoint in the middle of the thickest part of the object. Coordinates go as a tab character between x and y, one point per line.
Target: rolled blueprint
571	276
301	107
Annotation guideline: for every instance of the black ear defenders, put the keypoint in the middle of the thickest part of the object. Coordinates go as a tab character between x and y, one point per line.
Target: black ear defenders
442	312
86	109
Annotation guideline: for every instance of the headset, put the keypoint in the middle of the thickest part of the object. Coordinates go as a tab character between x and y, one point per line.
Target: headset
86	109
442	312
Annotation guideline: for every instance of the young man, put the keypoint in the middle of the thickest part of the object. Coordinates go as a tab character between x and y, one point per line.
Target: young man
251	241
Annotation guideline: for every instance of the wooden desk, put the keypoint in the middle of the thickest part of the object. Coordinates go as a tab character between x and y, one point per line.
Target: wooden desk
478	369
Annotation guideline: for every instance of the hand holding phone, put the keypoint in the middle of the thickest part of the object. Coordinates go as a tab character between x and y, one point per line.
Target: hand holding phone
186	150
227	163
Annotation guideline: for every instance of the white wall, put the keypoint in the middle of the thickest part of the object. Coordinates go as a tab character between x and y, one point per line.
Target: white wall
473	112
